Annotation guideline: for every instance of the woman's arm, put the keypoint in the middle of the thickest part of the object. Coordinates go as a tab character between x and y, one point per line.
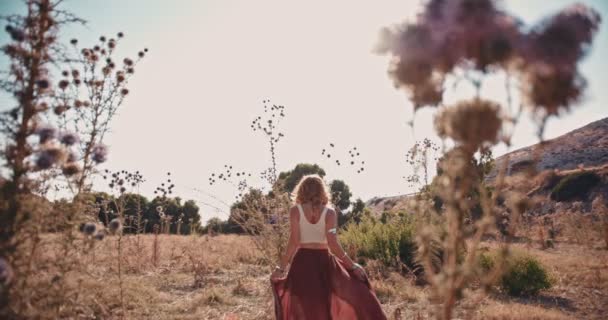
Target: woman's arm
294	238
331	223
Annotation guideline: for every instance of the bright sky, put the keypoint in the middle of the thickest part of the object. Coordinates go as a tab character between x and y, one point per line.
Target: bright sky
211	63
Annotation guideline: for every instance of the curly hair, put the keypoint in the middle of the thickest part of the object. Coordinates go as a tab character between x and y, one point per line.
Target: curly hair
312	189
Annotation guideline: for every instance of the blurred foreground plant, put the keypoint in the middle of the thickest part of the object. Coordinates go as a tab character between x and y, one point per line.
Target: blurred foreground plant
469	40
26	161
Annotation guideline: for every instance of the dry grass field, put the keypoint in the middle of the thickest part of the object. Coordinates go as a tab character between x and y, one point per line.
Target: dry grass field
221	277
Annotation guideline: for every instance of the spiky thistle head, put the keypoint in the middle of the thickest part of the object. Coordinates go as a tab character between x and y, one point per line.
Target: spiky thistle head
115	226
89	228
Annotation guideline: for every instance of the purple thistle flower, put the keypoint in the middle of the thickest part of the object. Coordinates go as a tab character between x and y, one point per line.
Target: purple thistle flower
6	272
68	138
89	228
48	157
115	225
43	84
72	157
100	153
564	38
273	219
100	234
46	133
17	34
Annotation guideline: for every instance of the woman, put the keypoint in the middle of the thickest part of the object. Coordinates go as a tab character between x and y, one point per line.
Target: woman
322	283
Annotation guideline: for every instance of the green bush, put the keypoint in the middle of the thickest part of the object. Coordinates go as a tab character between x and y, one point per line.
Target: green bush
576	185
523	274
486	262
383	241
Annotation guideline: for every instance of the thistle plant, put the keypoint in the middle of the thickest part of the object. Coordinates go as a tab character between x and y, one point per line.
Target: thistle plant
92	88
119	183
264	216
470	40
268	124
31	52
421	157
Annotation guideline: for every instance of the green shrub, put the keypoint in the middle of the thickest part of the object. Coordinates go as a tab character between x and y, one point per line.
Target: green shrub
389	240
383	241
576	185
486	262
523	274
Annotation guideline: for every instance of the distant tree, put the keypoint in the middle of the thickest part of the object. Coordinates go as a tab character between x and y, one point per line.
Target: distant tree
215	225
134	207
241	210
185	216
192	218
290	179
104	204
354	215
340	194
420	157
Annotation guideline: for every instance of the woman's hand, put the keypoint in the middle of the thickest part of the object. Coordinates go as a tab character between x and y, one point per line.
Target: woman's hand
277	274
359	273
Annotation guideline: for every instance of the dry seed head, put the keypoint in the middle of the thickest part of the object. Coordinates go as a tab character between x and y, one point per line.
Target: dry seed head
115	226
471	123
71	168
89	228
100	234
63	84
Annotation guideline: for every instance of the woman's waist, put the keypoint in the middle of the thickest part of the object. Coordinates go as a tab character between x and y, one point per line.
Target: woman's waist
313	246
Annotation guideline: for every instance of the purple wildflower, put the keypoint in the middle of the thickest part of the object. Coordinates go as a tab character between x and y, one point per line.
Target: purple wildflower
72	157
115	225
48	157
100	153
564	38
46	133
43	84
68	138
17	35
100	234
6	272
89	228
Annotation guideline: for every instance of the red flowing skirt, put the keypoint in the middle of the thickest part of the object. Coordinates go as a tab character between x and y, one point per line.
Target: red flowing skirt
318	287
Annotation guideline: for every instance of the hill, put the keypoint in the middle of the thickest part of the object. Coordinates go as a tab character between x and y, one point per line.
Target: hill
583	149
586	146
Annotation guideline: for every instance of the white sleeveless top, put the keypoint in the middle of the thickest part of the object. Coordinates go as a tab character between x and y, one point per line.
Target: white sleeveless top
312	232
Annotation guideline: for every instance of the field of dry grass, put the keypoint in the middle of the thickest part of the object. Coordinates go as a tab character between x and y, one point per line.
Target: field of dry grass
222	277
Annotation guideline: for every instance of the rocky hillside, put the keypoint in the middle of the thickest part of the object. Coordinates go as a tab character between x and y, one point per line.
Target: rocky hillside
586	146
584	149
380	204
